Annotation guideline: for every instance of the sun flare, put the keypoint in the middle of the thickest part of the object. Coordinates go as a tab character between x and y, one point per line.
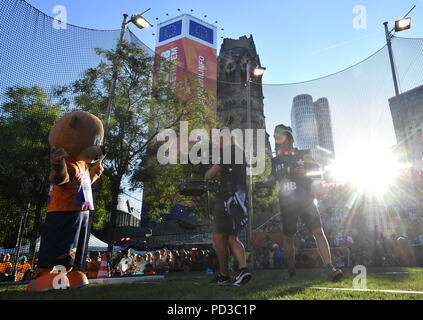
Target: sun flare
370	167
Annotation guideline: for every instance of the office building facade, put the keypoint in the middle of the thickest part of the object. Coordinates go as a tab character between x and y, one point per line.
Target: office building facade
312	127
412	103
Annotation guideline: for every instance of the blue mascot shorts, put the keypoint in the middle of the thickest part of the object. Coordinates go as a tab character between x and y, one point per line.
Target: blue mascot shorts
63	239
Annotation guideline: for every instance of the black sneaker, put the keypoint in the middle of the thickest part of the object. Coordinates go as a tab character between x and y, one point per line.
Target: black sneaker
334	274
221	280
243	277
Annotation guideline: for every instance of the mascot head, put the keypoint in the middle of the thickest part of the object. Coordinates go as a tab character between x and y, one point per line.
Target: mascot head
80	134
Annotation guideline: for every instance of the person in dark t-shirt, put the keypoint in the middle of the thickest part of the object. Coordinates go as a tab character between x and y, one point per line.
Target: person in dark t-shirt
291	169
232	178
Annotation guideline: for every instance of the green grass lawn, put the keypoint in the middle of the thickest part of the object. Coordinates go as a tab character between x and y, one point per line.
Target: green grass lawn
265	285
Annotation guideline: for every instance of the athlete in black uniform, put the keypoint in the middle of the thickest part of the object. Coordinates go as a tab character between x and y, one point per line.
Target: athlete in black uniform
289	170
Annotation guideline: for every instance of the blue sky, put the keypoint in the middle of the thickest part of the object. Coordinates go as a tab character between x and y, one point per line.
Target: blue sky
296	40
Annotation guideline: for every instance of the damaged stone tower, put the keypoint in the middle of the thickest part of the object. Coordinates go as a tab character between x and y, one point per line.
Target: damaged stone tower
232	88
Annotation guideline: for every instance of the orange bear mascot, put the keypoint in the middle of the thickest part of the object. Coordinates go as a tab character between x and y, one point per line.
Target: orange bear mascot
75	140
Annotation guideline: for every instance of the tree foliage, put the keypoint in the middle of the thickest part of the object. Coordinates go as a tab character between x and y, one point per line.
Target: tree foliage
25	122
145	102
265	200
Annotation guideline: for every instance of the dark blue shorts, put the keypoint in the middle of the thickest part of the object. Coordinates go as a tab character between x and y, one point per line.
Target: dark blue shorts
63	239
223	222
307	211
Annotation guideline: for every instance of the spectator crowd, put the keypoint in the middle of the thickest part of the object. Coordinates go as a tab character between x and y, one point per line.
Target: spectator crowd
157	262
127	263
372	232
23	268
359	233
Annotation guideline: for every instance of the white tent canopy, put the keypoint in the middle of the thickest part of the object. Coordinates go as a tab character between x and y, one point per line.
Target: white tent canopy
94	244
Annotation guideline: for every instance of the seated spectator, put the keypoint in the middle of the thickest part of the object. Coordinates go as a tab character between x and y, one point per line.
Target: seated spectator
211	260
169	260
163	254
157	262
125	263
338	240
23	269
199	261
149	264
114	263
177	262
269	258
132	267
278	258
5	267
340	260
148	258
165	260
140	264
93	265
259	260
267	243
165	267
187	263
349	241
193	255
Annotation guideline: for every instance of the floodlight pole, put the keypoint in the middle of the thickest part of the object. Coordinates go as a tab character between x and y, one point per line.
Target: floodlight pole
397	94
114	79
115	73
109	108
391	57
401	107
249	175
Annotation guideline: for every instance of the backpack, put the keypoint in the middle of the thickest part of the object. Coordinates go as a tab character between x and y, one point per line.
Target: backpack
235	207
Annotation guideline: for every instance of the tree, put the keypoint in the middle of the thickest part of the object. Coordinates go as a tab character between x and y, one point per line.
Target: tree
25	123
265	200
161	186
142	107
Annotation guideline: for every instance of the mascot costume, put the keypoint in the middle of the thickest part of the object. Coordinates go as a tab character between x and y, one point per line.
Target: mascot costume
75	140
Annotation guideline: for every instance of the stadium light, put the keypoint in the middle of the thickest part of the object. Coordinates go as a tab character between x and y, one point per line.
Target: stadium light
140	21
402	24
258	71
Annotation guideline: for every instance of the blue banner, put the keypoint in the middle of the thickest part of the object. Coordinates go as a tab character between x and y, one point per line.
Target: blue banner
171	30
201	32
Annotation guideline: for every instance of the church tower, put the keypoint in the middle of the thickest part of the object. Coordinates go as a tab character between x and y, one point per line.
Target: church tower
232	87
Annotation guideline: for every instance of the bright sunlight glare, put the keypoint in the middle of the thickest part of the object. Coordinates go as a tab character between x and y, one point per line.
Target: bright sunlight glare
370	167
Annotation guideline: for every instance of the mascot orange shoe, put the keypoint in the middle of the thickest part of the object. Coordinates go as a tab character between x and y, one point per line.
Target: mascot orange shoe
75	140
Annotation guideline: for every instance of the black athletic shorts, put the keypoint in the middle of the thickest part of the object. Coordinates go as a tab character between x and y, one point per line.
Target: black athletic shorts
63	239
290	212
223	222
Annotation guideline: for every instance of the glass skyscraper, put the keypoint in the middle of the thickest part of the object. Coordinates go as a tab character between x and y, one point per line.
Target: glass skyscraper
312	126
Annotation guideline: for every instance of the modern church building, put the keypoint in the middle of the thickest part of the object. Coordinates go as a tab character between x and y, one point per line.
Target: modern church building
312	126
